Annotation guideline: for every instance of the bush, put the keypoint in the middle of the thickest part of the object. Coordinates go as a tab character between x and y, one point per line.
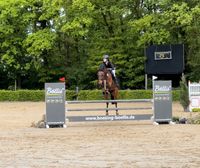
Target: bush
90	95
176	95
22	95
39	95
196	110
184	96
194	120
135	94
175	119
70	95
31	95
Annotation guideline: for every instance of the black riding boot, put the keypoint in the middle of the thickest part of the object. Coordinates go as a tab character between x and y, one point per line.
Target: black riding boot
116	81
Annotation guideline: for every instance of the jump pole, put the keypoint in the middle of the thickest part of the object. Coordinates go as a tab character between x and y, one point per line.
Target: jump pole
124	117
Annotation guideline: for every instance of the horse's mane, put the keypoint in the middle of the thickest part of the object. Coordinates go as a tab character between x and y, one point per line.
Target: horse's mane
105	70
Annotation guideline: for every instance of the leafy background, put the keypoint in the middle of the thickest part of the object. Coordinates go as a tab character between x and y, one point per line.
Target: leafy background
43	40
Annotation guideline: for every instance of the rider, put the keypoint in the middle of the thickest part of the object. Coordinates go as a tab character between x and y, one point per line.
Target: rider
107	64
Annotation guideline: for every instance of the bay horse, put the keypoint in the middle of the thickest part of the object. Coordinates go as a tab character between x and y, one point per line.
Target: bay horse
109	87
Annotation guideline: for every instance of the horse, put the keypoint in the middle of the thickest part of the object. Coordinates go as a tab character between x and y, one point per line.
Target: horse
109	87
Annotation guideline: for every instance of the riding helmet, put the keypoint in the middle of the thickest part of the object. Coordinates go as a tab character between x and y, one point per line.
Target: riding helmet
106	56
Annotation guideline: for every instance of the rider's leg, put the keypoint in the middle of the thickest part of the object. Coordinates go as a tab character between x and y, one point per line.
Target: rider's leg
116	81
115	78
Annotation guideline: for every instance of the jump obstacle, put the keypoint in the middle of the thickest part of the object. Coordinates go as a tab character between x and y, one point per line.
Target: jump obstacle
194	95
57	108
102	110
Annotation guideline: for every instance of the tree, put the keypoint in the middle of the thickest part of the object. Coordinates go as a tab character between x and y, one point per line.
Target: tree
193	48
184	95
72	27
15	62
42	40
111	34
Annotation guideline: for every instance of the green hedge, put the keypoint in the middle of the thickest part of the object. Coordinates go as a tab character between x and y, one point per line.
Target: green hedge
39	95
22	95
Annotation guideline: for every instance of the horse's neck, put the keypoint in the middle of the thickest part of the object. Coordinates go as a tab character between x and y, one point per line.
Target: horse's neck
108	78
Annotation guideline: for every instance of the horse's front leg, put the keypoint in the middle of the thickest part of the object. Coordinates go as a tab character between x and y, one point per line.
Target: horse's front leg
107	108
106	98
117	113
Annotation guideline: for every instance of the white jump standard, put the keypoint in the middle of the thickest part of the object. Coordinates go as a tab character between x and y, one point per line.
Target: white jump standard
55	104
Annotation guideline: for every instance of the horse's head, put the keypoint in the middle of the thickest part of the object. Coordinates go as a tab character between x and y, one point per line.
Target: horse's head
104	76
101	77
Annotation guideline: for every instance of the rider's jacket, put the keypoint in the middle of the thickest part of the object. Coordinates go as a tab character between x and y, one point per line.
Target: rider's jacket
109	65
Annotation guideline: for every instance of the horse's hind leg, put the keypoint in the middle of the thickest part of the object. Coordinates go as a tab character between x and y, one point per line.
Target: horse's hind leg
114	97
107	108
117	113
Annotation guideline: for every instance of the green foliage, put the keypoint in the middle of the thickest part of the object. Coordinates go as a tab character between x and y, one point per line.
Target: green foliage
78	18
42	40
13	26
90	95
111	34
184	96
135	94
22	95
176	95
175	119
193	40
196	110
39	95
194	120
71	95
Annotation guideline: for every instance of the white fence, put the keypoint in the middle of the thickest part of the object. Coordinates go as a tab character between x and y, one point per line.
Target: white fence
194	95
